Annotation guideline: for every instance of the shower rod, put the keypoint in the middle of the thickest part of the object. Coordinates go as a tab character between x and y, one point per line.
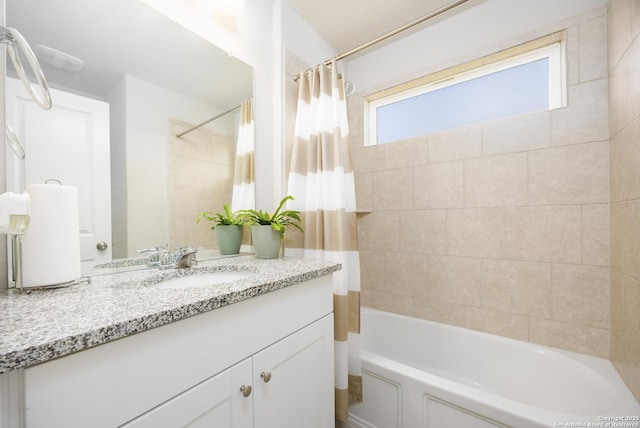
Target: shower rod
206	121
391	33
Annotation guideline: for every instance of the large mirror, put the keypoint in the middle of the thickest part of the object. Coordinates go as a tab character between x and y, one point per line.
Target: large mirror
152	79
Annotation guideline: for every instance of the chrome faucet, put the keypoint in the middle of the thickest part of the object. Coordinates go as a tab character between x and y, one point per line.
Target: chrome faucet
161	257
184	257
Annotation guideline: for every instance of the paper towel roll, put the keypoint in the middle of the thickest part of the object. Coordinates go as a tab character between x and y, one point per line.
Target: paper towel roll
51	246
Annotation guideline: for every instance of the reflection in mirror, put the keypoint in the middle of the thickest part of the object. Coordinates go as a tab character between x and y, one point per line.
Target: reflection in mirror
125	80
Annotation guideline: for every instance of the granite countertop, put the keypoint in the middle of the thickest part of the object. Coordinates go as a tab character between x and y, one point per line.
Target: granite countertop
45	324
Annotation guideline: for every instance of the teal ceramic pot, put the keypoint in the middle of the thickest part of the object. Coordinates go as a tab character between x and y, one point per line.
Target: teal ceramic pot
229	238
266	241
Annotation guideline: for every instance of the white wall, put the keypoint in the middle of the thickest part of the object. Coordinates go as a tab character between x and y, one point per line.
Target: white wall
477	31
302	40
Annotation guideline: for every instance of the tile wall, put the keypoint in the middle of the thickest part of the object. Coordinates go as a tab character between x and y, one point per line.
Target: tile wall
201	167
501	227
624	126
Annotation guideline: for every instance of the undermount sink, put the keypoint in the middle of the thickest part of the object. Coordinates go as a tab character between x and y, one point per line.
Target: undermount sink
202	280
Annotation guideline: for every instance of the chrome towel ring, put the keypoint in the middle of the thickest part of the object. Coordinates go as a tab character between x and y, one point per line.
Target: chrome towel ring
14	141
14	40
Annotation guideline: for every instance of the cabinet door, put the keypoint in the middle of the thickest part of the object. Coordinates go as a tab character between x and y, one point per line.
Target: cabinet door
293	380
217	402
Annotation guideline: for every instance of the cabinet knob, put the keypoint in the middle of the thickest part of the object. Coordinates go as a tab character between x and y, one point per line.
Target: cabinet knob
246	390
101	246
266	376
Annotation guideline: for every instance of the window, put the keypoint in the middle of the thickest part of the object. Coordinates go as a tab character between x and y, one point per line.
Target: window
523	80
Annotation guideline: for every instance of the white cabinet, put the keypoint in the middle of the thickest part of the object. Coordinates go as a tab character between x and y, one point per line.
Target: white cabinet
189	372
293	380
216	402
289	384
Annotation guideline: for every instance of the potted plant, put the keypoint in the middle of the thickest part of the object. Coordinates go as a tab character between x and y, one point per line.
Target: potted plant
267	230
228	227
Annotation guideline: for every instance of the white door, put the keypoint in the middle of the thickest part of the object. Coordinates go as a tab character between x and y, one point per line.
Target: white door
293	380
216	403
69	143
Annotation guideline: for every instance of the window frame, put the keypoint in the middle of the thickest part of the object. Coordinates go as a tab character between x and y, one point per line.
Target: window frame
551	47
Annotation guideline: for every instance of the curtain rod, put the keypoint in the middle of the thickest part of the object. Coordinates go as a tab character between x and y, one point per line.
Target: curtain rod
391	33
206	121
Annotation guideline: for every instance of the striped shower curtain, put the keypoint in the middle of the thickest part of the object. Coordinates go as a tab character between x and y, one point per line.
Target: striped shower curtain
243	196
322	184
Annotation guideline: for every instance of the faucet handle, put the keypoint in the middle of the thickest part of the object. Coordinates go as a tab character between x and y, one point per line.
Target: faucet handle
155	255
147	250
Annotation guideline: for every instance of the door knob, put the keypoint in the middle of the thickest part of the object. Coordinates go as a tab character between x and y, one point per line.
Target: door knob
101	246
246	390
266	376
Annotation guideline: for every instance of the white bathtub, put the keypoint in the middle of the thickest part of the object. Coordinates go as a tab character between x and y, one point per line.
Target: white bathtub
422	374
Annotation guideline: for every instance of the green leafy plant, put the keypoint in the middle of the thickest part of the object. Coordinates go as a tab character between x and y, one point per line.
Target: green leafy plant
225	218
278	221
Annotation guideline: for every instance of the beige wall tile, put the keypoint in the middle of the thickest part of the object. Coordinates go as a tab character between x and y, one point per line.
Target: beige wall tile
625	158
366	298
630	66
624	105
424	231
585	119
635	19
496	181
355	106
204	160
188	177
439	186
456	144
440	311
456	279
624	239
187	206
617	301
577	338
476	232
500	323
222	150
595	235
619	34
617	119
548	234
372	270
581	295
406	274
405	153
364	190
522	288
366	159
393	189
392	302
379	231
593	48
573	56
627	365
569	175
356	143
485	219
631	315
516	134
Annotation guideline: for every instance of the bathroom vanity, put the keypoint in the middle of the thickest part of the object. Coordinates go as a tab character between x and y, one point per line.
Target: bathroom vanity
253	352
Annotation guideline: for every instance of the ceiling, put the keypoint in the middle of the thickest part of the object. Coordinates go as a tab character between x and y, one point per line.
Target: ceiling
118	37
348	24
